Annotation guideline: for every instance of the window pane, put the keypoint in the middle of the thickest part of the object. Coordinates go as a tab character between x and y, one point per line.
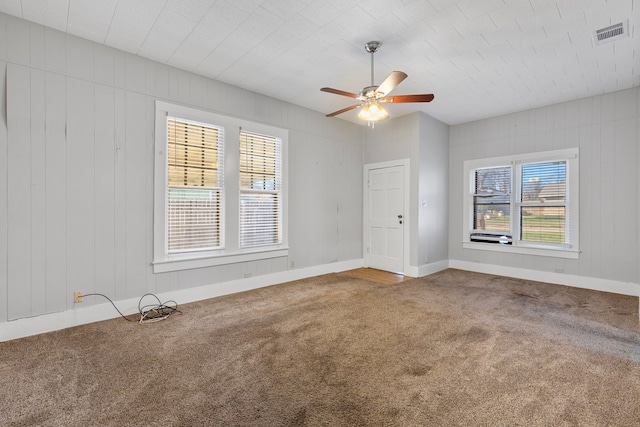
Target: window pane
260	187
545	224
195	179
193	219
493	180
259	162
491	200
489	216
544	182
259	219
194	154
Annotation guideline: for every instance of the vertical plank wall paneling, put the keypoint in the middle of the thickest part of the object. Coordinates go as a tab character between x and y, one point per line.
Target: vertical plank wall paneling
104	167
625	211
3	41
160	88
78	157
606	130
606	205
135	196
19	192
18	41
120	188
38	191
56	197
3	169
37	46
433	219
55	51
4	175
349	238
80	184
149	191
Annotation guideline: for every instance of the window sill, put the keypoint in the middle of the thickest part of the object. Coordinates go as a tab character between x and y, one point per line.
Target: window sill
190	261
512	249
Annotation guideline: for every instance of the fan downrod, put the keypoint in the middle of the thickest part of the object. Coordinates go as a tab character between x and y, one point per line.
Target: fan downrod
372	47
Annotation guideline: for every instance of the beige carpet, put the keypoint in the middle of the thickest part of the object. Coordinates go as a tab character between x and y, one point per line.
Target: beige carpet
451	349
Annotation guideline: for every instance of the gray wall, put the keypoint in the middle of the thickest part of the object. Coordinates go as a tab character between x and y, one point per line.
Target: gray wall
433	219
424	141
606	129
76	203
76	198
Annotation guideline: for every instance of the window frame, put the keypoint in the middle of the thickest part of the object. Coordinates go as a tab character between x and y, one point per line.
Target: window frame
230	252
568	250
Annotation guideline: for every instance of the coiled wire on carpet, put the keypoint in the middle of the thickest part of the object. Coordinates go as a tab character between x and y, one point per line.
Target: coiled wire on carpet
149	313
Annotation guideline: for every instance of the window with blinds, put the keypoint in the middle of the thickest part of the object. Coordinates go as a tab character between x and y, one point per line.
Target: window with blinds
543	202
195	186
524	203
260	190
217	200
492	205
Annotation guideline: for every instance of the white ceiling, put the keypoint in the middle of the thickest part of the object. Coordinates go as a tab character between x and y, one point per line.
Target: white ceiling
481	58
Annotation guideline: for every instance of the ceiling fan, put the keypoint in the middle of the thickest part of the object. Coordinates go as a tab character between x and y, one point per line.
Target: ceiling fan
371	97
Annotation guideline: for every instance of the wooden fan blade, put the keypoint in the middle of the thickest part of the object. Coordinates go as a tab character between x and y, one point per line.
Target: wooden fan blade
339	92
344	110
394	79
408	98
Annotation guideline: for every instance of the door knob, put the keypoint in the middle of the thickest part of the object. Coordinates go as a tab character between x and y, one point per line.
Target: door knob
400	216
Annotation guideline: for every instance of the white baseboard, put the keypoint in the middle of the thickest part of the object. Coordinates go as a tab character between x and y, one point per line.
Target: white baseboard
82	315
79	316
604	285
426	269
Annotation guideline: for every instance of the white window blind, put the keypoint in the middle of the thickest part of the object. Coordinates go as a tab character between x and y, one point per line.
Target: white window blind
543	203
260	190
492	204
195	186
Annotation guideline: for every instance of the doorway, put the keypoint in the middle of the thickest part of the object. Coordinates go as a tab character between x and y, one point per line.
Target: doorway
385	216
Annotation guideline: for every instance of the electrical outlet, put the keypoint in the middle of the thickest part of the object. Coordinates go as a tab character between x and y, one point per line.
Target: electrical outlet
77	297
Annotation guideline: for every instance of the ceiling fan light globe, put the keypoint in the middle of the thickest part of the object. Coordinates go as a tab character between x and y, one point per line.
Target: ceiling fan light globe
373	112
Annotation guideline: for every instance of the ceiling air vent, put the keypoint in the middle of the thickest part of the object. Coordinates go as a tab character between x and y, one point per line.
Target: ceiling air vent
611	33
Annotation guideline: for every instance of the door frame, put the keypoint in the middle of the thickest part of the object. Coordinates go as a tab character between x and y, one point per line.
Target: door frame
406	214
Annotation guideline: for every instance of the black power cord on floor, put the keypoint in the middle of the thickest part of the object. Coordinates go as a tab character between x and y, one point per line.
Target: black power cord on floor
156	312
148	313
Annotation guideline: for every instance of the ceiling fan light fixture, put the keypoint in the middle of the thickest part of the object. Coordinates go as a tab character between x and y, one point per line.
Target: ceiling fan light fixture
371	96
373	112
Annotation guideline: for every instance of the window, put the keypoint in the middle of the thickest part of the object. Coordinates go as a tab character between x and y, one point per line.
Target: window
492	204
194	192
524	204
260	188
543	203
220	190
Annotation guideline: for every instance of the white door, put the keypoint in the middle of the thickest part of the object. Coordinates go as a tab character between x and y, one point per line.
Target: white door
385	246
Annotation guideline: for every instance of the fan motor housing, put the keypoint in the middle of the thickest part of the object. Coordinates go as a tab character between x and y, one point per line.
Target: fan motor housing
369	92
